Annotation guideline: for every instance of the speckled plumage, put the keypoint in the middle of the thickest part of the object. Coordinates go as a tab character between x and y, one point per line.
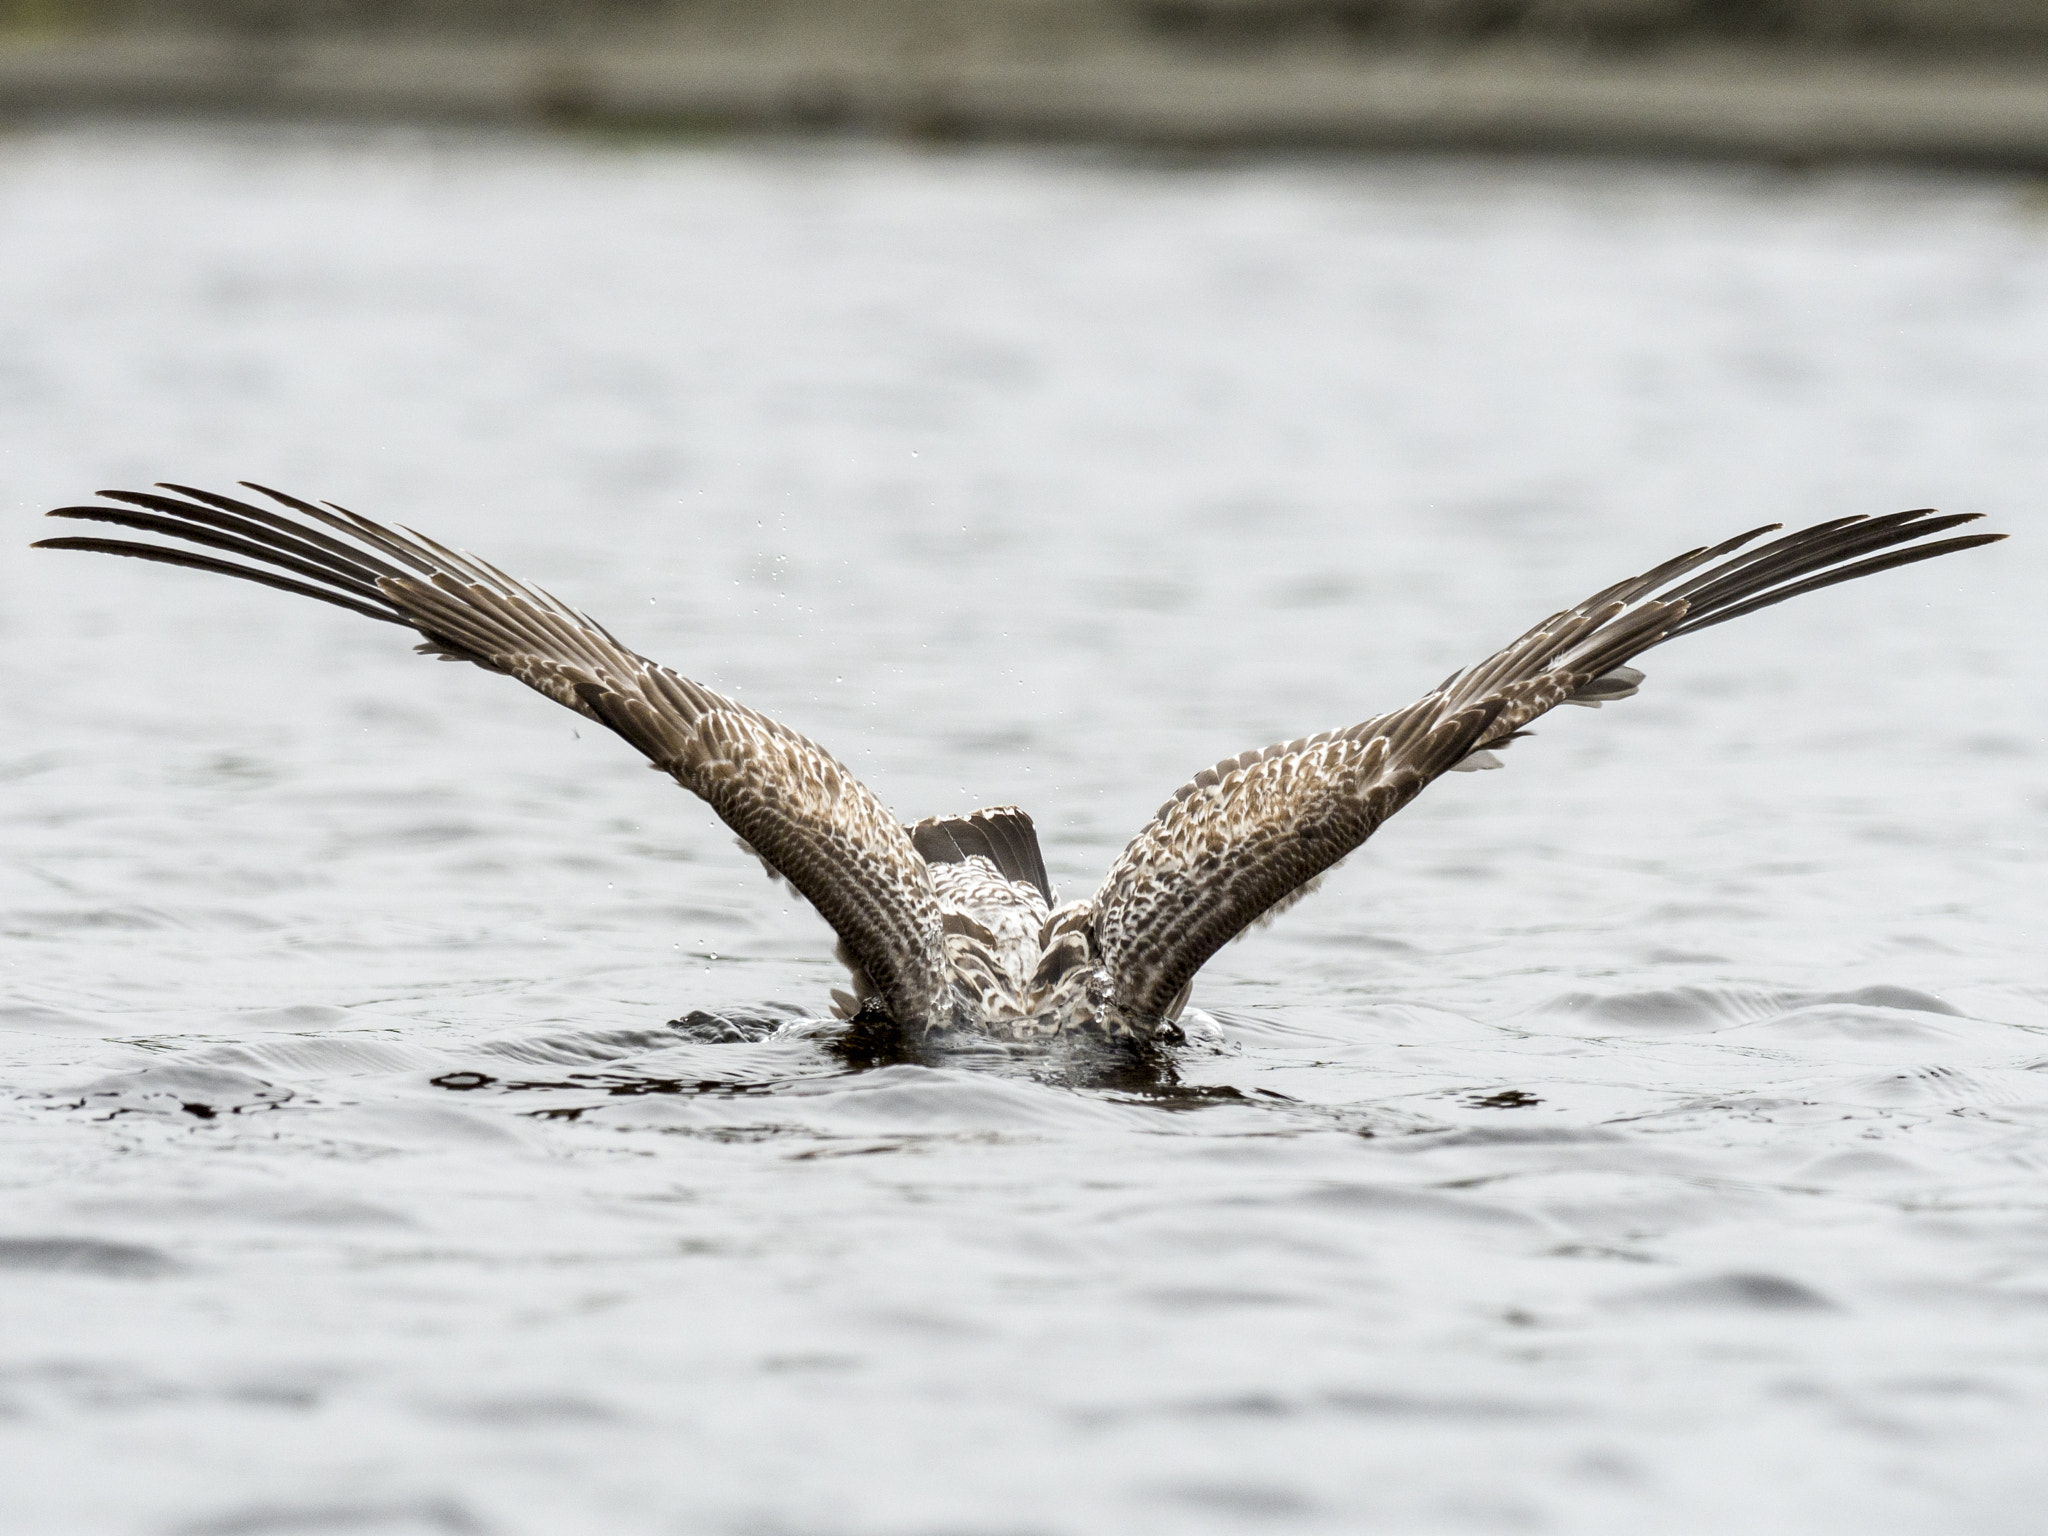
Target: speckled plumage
949	923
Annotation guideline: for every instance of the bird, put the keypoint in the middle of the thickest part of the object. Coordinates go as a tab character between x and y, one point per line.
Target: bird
949	925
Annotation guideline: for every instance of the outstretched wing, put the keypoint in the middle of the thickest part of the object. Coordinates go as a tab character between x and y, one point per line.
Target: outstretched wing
798	808
1245	838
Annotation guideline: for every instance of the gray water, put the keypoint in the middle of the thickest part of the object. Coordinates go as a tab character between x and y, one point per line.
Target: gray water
1651	1136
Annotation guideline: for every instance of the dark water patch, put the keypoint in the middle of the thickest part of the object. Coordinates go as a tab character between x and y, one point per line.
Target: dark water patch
615	1084
1412	1408
1992	744
883	1148
421	1517
1509	1136
1464	870
16	769
1369	943
671	1068
1178	1096
230	767
179	1089
297	1396
97	1386
84	1256
632	1087
1601	1251
738	1061
1949	1387
544	1410
1241	1501
740	1135
416	835
1505	1098
1749	1292
1135	1071
808	1361
1217	1298
90	920
871	1040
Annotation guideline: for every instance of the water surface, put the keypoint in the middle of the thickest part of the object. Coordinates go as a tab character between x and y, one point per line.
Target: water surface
1649	1136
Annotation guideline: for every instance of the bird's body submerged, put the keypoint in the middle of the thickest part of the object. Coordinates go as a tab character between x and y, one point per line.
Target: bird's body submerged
951	923
994	931
1014	965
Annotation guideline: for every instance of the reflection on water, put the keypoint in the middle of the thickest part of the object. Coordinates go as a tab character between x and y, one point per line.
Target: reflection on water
420	1117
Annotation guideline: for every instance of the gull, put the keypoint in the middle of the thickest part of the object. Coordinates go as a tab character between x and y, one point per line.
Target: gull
949	923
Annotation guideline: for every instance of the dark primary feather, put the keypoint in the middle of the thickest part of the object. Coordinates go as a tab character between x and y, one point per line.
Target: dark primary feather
1243	837
204	563
799	809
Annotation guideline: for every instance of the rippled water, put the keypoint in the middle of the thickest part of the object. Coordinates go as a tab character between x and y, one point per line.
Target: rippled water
1653	1136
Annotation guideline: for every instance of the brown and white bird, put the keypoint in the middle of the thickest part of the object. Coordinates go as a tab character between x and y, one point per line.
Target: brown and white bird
949	923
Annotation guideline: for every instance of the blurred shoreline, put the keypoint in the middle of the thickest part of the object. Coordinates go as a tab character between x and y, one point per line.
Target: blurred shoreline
1964	84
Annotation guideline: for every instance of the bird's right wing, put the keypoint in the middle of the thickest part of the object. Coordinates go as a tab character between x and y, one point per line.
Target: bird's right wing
806	816
1244	839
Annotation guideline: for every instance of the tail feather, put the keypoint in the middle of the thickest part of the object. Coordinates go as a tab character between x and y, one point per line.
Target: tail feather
1001	834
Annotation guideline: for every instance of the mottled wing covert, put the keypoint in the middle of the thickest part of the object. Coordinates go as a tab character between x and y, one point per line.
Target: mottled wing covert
1243	839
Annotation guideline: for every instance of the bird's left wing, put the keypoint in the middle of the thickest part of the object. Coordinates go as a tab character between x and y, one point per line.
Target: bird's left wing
1248	837
806	816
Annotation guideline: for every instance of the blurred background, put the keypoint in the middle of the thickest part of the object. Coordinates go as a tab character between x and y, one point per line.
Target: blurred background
1940	80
